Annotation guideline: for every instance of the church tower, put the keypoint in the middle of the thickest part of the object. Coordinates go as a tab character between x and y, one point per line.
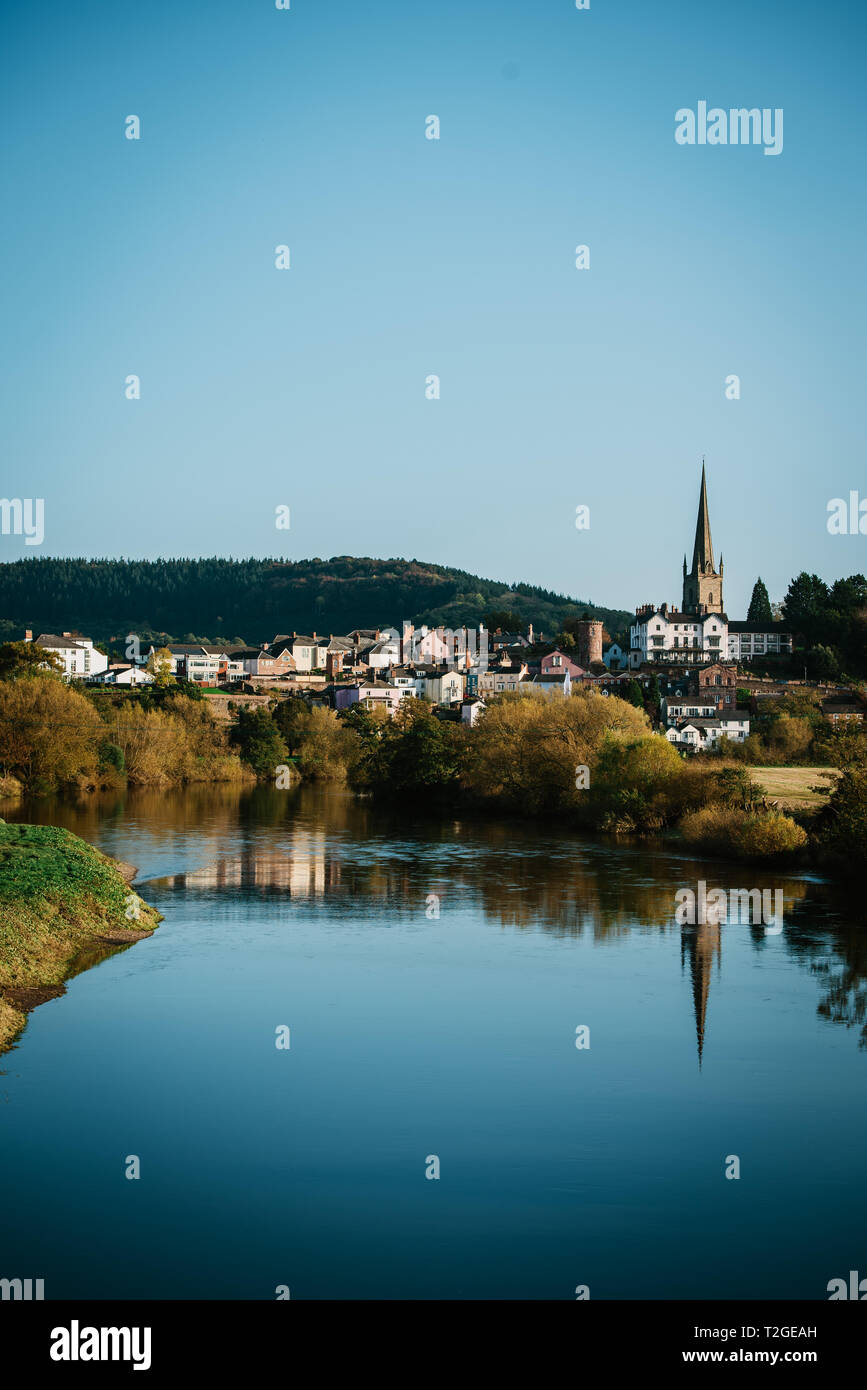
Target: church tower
703	584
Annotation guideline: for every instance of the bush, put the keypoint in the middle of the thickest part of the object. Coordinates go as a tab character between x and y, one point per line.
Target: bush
713	827
732	831
111	756
635	783
771	833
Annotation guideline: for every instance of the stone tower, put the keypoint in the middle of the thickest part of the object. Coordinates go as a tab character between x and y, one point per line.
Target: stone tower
588	640
703	584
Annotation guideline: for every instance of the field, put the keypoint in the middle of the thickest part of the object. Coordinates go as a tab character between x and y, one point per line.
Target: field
792	786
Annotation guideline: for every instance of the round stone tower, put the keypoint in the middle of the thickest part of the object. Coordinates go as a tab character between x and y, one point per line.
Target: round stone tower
588	640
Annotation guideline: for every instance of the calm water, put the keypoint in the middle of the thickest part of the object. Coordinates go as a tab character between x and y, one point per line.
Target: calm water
416	1035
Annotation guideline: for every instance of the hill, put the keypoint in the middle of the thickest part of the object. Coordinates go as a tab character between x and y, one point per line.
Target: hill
251	600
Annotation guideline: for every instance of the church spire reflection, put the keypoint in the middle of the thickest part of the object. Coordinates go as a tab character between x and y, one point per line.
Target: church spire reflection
701	944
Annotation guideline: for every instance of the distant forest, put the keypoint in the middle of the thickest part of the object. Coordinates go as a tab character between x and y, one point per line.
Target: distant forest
217	600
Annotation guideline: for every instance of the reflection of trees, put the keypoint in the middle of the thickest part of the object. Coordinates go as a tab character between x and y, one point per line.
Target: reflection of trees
823	934
325	846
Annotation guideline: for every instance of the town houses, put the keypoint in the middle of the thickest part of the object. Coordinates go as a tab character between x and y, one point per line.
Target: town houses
687	660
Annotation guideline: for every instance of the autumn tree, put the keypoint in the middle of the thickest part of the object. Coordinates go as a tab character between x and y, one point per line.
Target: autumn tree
49	733
159	664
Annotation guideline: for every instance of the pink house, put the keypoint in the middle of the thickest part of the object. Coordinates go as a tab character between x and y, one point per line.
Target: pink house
557	662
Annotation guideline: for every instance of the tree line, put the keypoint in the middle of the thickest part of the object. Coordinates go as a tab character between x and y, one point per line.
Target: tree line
249	600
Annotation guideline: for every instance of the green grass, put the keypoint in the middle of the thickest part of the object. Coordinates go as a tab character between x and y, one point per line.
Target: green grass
58	897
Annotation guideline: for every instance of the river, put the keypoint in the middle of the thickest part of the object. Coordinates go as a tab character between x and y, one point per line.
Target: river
431	977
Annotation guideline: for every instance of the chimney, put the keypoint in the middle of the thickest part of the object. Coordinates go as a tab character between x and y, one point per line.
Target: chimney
28	634
66	634
315	638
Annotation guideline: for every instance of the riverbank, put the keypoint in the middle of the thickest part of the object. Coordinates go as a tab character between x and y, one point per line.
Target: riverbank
59	897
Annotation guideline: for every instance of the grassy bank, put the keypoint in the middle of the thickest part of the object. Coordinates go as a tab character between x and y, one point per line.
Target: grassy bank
59	897
794	788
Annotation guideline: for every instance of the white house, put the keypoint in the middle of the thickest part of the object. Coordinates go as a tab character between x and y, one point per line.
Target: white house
369	693
128	675
443	687
381	655
79	657
554	683
675	708
749	640
669	635
307	653
706	733
194	661
471	708
407	679
497	680
614	657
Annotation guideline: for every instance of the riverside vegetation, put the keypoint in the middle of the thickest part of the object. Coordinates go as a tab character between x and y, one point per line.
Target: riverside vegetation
63	905
594	762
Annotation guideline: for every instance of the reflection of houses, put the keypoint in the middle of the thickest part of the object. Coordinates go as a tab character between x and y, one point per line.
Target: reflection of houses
701	944
302	869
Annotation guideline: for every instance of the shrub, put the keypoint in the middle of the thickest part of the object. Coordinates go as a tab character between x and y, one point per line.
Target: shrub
713	827
732	831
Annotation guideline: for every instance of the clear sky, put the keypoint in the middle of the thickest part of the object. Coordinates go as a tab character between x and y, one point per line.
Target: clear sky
409	256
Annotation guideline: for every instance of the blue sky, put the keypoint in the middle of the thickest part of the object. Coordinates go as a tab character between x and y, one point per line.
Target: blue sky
306	387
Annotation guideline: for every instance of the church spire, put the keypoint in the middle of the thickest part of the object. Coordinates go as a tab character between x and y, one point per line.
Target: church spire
702	586
702	555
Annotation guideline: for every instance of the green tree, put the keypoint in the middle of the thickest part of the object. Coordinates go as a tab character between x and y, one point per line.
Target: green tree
417	752
504	619
633	694
805	606
368	724
291	718
24	659
259	742
823	663
652	697
760	604
845	817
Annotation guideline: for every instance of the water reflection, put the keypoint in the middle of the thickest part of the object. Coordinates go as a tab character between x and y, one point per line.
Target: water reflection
327	848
